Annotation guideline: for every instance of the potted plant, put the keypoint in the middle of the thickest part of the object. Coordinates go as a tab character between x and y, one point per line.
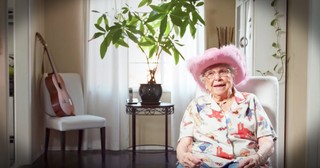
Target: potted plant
153	32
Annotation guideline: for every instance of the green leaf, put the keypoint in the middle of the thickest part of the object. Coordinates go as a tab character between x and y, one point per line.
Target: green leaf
141	28
125	10
176	54
176	57
166	49
183	27
122	43
275	67
179	44
273	3
152	51
193	30
150	28
176	29
200	4
116	36
96	35
130	17
163	26
95	11
194	18
135	31
158	9
175	20
153	17
99	27
142	3
260	72
146	43
100	19
104	46
105	20
273	22
274	44
150	38
268	73
196	14
168	29
132	37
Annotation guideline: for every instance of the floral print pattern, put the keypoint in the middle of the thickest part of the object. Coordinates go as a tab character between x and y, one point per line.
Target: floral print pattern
223	137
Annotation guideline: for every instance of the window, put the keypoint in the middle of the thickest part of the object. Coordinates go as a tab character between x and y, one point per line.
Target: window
138	69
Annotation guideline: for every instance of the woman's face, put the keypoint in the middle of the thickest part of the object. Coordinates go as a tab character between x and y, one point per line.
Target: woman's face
218	80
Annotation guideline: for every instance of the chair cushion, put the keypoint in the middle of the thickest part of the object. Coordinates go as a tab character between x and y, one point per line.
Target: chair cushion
75	122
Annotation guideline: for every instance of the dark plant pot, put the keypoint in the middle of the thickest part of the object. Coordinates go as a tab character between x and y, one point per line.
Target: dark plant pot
150	93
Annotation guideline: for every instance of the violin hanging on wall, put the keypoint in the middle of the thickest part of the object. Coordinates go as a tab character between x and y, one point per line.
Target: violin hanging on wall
60	99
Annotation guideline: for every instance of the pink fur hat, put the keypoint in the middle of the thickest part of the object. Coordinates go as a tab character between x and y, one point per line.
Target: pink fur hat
229	54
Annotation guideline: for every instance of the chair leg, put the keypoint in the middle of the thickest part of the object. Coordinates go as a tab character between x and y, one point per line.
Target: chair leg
63	141
103	142
80	137
46	145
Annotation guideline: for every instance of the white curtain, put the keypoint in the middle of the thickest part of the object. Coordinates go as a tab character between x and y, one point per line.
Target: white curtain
183	85
107	82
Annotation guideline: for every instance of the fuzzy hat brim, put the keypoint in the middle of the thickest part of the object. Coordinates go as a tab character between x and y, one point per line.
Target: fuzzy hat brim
229	54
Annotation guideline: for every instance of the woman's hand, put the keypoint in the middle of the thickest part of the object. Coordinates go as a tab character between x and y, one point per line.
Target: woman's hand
190	161
249	162
184	155
266	148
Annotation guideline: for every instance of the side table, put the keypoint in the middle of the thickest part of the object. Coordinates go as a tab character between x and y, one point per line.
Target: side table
149	110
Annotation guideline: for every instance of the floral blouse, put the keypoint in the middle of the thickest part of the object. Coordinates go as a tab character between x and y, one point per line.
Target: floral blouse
222	137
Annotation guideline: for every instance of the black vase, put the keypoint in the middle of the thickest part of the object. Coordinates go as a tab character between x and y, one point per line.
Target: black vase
150	93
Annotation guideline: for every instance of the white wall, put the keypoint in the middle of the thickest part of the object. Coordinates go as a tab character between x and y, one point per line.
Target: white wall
264	36
313	107
22	83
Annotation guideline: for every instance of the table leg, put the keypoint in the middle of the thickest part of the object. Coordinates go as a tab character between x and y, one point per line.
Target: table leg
133	136
166	135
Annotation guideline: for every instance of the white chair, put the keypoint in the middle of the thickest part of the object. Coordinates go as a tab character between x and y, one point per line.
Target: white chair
78	122
266	88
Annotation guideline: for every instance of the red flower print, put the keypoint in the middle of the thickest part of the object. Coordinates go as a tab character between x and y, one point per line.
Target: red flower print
243	132
223	154
216	114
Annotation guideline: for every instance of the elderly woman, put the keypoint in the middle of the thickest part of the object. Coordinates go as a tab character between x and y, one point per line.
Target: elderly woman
225	128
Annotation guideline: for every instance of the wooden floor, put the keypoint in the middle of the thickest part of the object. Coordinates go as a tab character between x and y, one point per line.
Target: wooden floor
113	159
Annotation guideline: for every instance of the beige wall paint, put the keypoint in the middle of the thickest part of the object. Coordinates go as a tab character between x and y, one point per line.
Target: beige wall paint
297	46
64	29
218	13
151	129
64	33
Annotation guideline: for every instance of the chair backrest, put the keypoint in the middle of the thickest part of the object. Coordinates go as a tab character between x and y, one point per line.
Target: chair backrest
74	88
266	88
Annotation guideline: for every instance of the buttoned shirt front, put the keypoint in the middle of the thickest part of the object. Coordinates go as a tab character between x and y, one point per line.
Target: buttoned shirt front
222	137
